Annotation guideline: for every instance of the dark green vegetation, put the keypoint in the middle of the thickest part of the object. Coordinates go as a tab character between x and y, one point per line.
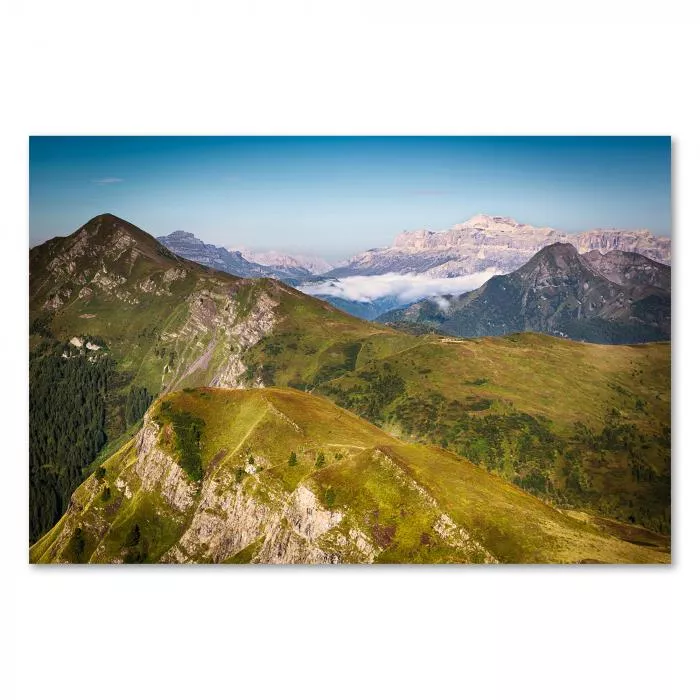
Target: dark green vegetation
67	427
76	403
615	298
581	426
182	436
76	546
379	499
137	401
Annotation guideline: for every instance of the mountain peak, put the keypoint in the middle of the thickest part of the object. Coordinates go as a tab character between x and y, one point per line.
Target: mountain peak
109	229
181	236
556	256
485	221
559	248
108	222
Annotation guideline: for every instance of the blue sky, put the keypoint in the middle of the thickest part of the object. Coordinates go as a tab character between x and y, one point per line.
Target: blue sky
334	196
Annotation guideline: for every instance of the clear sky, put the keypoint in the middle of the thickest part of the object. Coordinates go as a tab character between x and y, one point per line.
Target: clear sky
334	196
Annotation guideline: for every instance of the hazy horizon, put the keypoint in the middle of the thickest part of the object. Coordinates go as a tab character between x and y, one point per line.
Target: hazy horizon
337	196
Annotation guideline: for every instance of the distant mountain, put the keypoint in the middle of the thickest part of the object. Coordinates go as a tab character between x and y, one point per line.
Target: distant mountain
485	242
294	265
244	262
620	297
188	246
630	269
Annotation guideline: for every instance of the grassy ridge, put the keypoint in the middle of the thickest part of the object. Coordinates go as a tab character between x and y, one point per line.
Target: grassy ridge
580	425
402	497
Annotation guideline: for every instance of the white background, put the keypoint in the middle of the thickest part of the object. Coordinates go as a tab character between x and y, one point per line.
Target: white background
363	67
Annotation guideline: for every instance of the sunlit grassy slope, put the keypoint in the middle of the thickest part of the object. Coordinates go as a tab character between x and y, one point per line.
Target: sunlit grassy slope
576	423
374	497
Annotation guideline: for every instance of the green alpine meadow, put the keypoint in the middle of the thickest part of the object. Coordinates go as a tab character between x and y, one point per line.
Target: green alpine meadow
180	413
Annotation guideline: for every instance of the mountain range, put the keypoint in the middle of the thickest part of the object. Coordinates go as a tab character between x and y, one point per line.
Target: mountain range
188	246
482	246
485	242
243	263
297	265
160	390
618	297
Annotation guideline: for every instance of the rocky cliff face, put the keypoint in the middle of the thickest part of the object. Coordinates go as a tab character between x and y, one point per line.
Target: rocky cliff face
620	297
485	242
630	269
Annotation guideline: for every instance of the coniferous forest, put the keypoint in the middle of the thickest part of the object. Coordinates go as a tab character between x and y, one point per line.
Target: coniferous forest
67	428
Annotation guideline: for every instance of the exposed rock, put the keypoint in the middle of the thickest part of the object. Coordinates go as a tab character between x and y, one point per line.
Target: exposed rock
306	516
158	471
246	332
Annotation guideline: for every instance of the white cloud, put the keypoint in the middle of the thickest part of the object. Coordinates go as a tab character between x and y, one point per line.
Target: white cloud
406	288
442	302
107	180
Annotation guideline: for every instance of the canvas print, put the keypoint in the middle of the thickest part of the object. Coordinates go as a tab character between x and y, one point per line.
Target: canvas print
350	350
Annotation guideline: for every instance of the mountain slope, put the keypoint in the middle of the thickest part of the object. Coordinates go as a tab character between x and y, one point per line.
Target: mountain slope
580	425
626	298
485	242
116	320
162	318
350	493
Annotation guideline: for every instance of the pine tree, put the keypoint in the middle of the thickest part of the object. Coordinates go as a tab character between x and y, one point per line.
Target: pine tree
134	536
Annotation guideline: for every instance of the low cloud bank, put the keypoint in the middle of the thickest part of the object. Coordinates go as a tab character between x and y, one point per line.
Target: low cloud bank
405	288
